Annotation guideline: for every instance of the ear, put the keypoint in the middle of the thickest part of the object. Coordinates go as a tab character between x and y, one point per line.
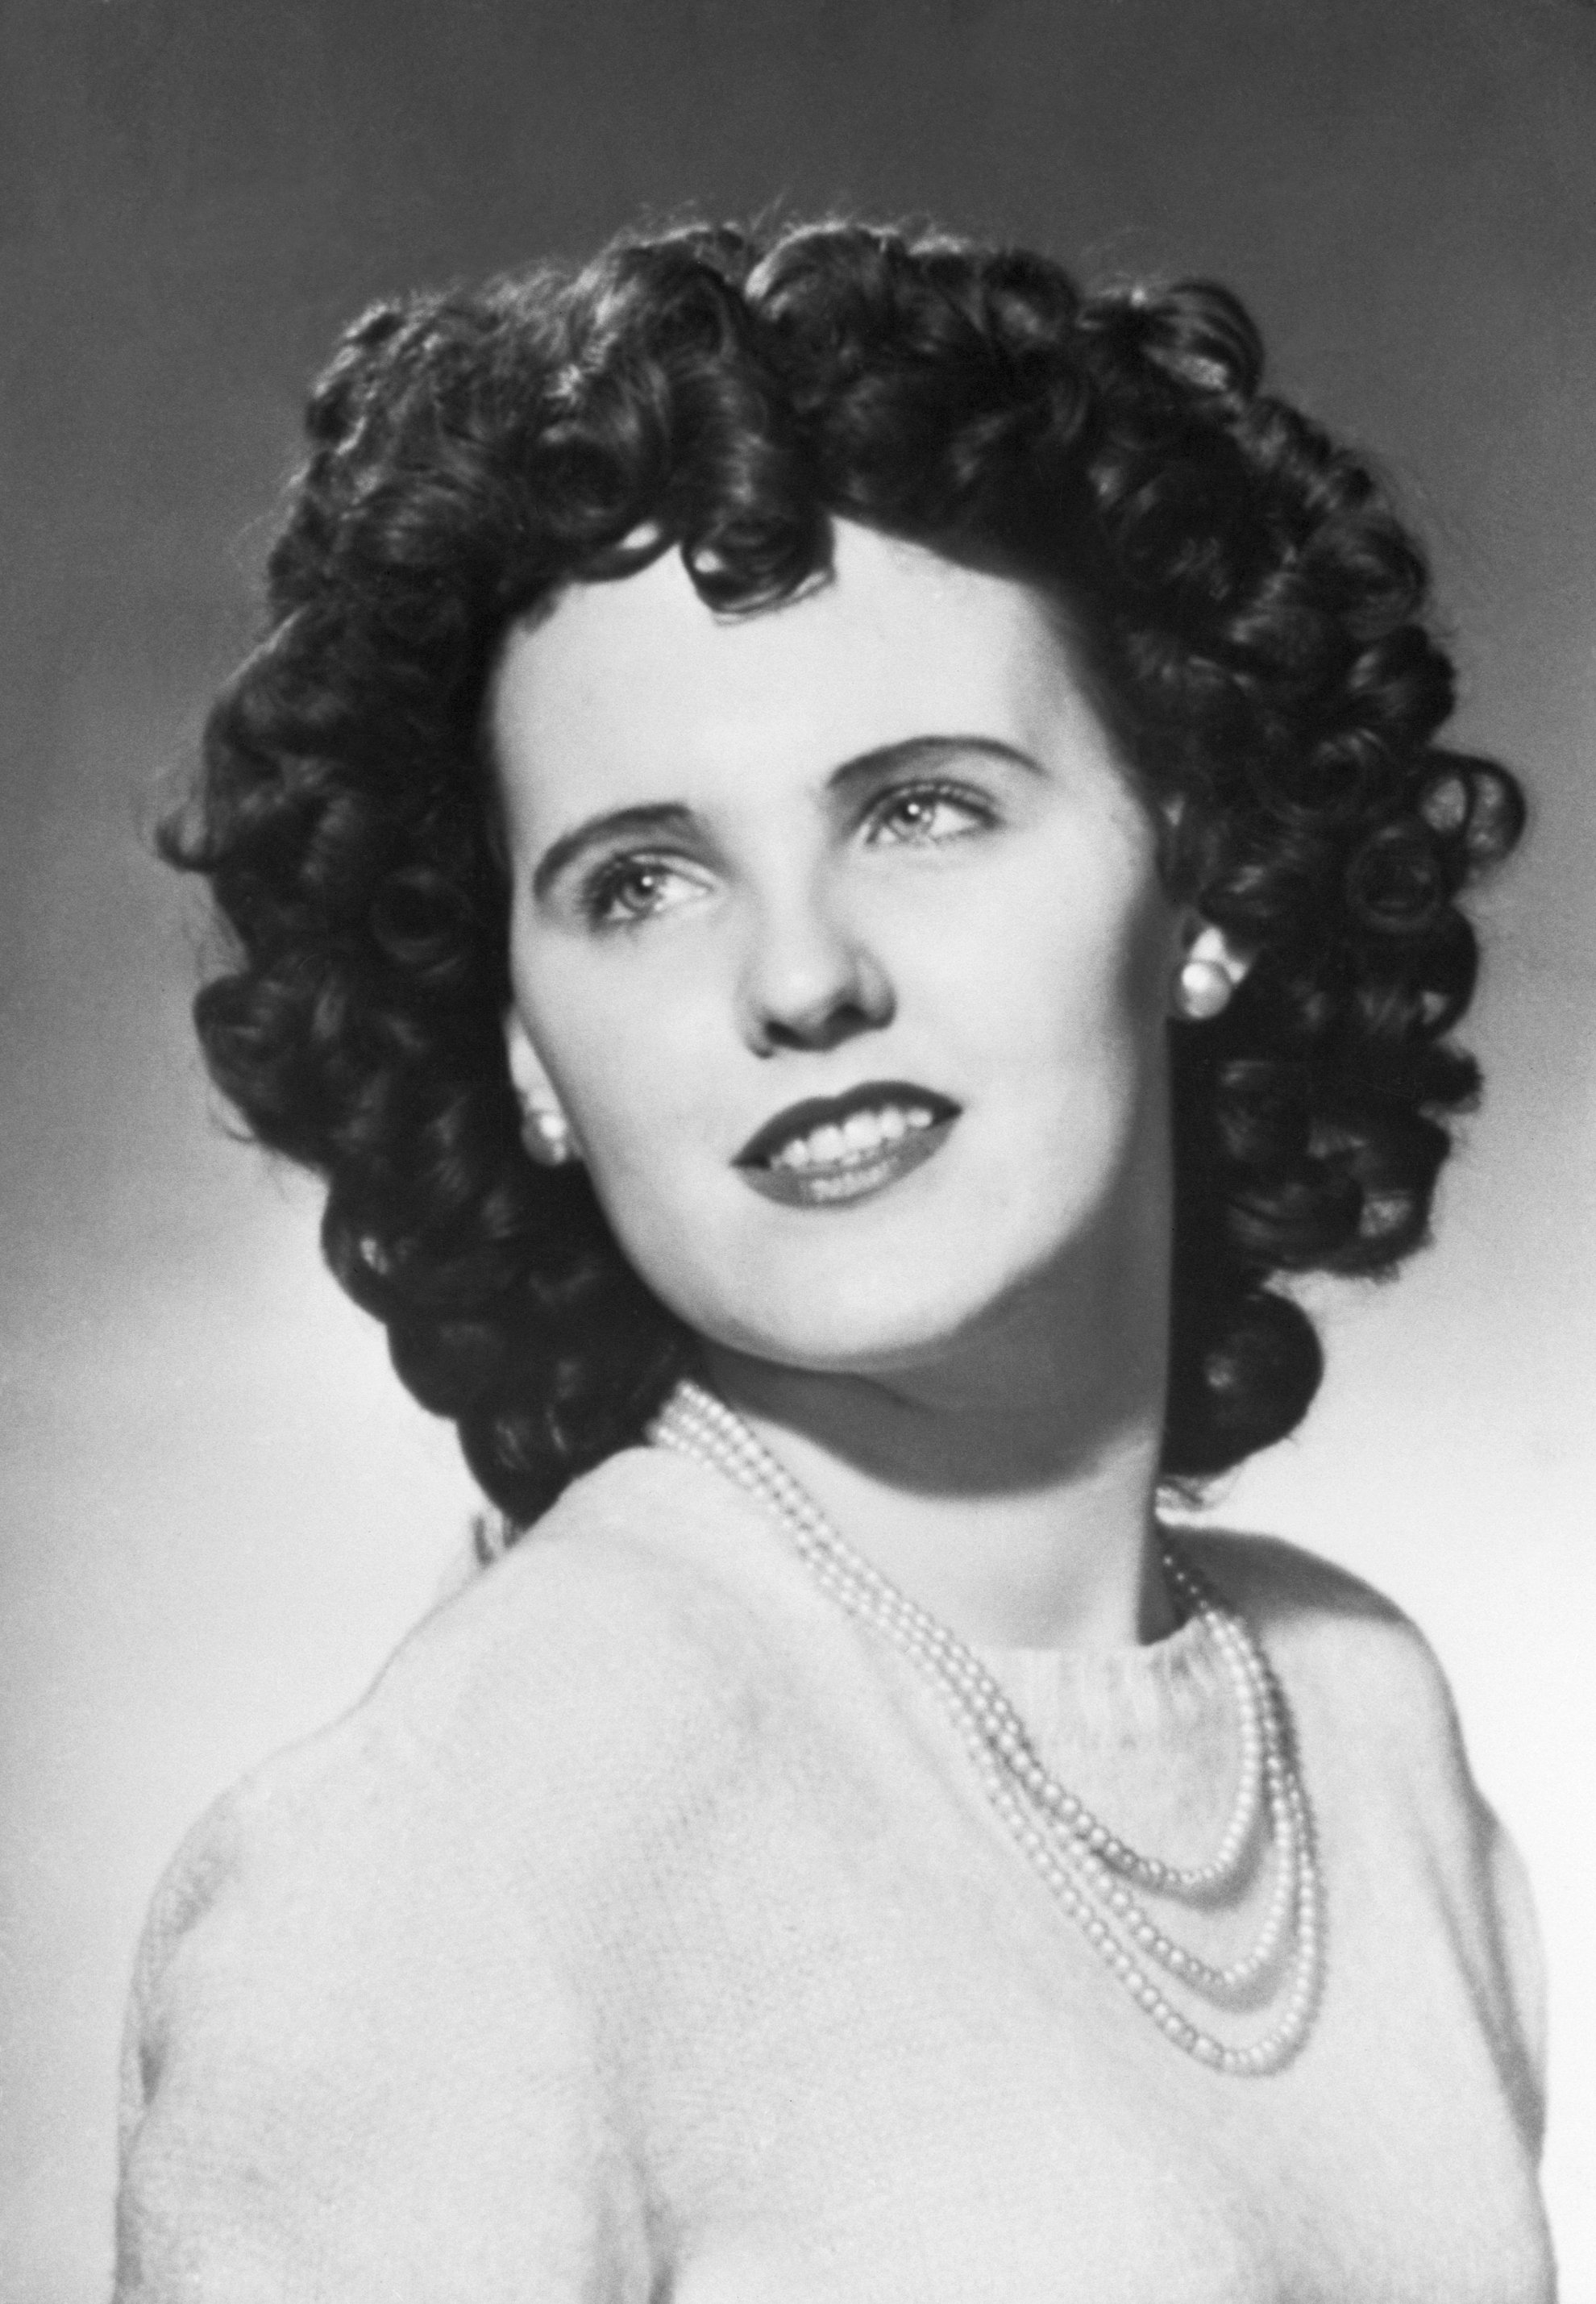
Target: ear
545	1131
1210	967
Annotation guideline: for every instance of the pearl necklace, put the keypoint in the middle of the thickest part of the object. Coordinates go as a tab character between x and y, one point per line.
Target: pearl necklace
1092	1871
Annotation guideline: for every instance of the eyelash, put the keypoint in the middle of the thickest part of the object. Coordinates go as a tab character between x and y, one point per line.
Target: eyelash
974	804
601	891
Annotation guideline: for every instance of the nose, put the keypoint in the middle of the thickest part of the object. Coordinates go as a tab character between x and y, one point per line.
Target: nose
809	981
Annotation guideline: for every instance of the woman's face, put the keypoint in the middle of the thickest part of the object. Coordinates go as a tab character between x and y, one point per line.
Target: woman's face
837	937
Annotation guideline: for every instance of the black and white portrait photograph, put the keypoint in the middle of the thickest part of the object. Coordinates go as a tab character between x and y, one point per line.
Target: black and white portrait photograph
799	1176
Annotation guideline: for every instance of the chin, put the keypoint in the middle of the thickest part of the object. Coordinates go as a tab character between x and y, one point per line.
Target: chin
902	1282
862	1323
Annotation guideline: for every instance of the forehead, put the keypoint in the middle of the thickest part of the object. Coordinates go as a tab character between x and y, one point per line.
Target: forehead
635	691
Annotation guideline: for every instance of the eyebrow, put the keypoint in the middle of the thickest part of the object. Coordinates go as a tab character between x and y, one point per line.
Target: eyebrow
661	818
674	818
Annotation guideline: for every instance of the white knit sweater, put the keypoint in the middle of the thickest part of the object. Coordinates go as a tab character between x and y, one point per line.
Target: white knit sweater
646	1935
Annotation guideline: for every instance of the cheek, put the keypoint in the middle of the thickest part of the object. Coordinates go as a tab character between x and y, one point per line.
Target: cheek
1067	972
625	1052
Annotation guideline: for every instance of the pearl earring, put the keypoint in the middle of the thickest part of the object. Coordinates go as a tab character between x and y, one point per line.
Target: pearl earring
547	1138
1203	989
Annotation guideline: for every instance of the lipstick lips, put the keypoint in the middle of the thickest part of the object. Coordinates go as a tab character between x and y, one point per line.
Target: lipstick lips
860	1173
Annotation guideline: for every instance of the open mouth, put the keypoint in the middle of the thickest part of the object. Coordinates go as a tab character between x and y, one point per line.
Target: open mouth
831	1149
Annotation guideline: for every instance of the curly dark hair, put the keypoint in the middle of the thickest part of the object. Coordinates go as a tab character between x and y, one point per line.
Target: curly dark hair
1249	614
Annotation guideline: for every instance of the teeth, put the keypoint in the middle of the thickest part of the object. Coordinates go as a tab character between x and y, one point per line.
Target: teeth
860	1134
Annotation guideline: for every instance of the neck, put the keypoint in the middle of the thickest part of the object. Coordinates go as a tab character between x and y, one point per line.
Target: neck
1010	1489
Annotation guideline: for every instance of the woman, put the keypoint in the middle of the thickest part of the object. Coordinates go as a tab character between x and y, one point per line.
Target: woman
839	856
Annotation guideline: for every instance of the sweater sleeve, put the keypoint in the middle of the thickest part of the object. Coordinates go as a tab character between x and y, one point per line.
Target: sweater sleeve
360	2068
1519	1936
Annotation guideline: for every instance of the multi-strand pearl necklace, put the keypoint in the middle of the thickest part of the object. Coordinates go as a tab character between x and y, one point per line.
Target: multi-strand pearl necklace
1091	1871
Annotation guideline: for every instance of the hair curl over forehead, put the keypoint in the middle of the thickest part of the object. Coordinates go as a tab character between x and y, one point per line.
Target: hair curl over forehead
1247	610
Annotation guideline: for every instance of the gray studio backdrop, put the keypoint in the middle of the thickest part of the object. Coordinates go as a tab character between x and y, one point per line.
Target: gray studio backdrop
220	1510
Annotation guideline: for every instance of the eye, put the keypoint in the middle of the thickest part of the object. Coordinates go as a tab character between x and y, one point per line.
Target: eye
628	889
925	815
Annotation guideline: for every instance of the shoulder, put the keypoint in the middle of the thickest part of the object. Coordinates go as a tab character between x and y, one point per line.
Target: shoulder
621	1610
640	1634
1283	1589
397	1964
536	1741
1343	1649
1390	1775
